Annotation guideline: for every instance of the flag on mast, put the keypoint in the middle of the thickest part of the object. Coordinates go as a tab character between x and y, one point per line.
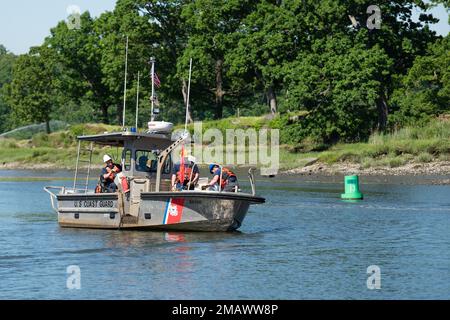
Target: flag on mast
181	176
156	80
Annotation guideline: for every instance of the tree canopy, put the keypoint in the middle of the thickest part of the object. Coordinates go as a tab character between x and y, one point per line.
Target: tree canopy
6	65
323	60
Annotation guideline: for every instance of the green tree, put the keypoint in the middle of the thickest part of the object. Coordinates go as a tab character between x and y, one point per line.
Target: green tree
344	75
265	41
166	39
339	85
112	29
6	64
425	90
211	25
79	55
32	93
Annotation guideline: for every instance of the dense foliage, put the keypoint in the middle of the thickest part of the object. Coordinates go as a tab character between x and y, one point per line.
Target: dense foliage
319	74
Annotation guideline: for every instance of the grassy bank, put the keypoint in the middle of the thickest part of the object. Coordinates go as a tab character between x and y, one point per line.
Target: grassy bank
411	144
55	150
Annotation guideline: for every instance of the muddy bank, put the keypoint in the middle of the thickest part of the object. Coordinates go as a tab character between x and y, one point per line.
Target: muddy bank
437	173
40	166
346	168
29	166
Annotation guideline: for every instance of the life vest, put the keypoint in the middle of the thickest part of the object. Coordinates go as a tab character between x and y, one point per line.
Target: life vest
187	174
226	174
113	175
98	189
125	185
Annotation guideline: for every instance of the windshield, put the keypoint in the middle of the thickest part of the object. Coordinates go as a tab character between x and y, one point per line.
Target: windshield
146	161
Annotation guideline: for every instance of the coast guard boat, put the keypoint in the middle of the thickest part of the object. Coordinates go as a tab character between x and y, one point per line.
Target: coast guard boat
145	199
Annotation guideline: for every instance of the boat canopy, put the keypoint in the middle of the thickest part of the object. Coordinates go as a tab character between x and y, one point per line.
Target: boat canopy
120	138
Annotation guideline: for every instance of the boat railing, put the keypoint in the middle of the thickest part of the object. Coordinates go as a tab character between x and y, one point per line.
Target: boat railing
252	180
53	195
236	189
220	178
62	190
81	179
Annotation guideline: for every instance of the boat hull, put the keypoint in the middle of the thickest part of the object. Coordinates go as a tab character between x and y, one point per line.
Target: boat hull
178	211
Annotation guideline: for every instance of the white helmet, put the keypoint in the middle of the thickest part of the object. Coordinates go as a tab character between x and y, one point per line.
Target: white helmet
191	158
106	158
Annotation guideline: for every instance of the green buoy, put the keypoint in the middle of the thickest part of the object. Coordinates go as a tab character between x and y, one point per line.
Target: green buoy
352	189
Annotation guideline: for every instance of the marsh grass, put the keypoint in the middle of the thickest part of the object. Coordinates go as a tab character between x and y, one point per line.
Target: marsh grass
419	144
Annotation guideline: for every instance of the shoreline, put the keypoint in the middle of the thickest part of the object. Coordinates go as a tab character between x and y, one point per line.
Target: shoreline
39	166
432	173
434	168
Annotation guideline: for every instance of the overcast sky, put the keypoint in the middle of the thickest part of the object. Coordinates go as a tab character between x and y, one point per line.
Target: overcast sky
25	23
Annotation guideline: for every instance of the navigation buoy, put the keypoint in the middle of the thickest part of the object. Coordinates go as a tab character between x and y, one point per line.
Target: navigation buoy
352	189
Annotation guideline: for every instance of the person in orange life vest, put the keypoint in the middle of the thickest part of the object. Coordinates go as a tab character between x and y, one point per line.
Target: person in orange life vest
229	179
109	173
191	175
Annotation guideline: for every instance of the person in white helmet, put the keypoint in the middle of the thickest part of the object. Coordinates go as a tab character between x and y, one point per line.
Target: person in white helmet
109	173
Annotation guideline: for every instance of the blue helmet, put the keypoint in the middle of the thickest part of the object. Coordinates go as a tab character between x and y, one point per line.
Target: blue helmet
211	167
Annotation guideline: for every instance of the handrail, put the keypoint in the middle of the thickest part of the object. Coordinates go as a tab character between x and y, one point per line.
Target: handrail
162	158
252	180
76	168
53	195
220	179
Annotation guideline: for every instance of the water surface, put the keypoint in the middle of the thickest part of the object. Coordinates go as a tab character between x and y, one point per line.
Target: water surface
304	243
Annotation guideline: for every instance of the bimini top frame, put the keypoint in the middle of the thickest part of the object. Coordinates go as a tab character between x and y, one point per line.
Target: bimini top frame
118	139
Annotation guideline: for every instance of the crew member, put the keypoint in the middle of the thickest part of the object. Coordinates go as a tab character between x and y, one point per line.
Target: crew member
228	181
109	173
190	177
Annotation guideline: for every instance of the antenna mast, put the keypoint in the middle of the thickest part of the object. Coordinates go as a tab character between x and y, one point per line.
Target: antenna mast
137	100
152	61
188	94
125	86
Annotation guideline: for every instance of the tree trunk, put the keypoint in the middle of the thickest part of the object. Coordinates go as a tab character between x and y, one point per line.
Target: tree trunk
120	113
219	88
47	126
382	108
105	114
184	91
272	100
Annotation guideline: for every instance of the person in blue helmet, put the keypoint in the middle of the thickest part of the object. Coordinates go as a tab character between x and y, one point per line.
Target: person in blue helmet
228	182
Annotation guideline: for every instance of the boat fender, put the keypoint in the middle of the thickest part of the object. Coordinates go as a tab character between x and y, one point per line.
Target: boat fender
125	185
98	189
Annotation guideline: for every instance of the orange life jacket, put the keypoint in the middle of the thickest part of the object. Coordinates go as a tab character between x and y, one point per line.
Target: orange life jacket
226	174
113	175
187	174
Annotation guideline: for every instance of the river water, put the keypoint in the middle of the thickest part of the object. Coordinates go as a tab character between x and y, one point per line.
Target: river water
304	243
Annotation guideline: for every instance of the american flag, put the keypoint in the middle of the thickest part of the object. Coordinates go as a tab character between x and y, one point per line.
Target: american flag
156	80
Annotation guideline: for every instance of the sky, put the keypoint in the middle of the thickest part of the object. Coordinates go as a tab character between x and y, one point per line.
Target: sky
26	23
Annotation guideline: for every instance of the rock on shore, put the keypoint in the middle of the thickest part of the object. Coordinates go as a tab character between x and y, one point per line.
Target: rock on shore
347	168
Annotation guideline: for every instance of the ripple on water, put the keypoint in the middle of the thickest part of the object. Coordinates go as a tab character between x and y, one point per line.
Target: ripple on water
304	243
